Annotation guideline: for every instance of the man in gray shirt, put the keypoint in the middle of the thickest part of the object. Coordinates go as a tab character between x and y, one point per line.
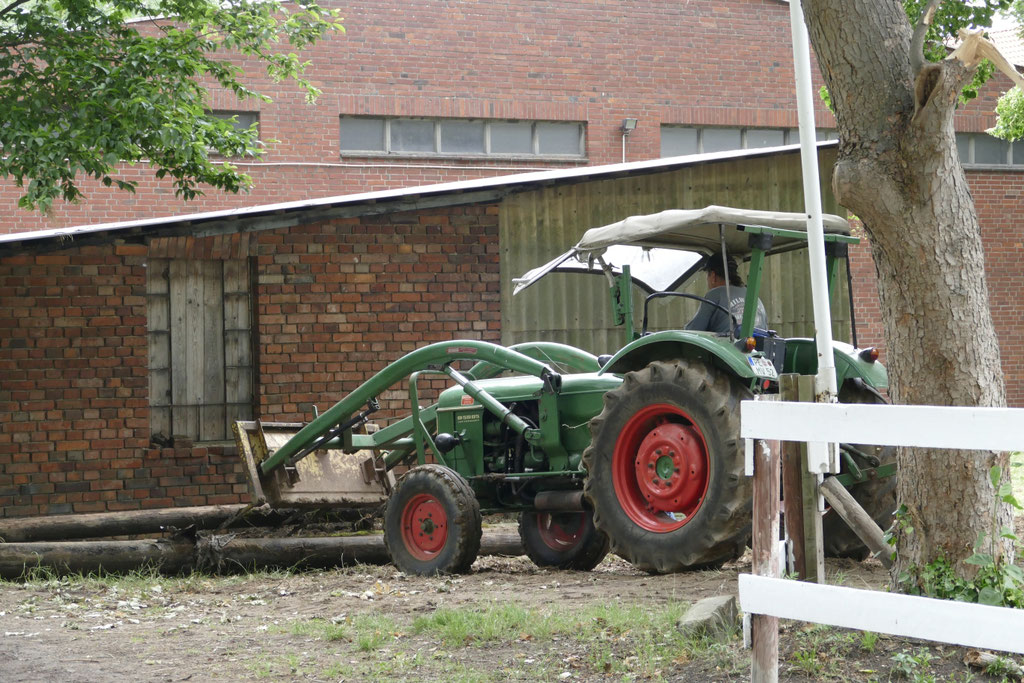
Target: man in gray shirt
713	319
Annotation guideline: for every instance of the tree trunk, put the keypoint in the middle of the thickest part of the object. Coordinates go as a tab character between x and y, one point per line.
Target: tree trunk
899	172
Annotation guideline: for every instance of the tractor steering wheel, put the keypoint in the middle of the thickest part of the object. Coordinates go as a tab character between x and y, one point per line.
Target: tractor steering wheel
683	295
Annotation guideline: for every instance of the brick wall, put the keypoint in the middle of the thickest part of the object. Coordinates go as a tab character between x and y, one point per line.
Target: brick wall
335	302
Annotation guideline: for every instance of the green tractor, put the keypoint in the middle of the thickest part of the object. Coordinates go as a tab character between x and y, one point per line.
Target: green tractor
637	452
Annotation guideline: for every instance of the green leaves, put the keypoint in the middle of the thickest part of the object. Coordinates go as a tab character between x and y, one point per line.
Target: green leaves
1004	490
84	91
1010	112
997	582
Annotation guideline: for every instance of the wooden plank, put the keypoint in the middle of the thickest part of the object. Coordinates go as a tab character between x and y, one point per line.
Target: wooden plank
179	346
997	429
765	559
238	371
194	342
942	621
158	310
158	321
212	416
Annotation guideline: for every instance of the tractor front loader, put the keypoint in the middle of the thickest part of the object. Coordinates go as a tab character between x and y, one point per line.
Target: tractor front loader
496	445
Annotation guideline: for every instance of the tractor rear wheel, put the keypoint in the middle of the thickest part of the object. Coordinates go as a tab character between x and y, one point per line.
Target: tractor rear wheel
876	496
665	468
432	522
562	540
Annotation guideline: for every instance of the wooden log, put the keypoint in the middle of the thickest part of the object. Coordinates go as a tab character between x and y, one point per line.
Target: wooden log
128	523
73	557
846	506
223	553
764	630
984	660
320	551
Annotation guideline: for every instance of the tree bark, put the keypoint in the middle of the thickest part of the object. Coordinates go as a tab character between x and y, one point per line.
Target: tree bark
899	172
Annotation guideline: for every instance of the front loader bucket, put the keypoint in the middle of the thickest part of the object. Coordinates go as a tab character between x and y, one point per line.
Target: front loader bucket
325	478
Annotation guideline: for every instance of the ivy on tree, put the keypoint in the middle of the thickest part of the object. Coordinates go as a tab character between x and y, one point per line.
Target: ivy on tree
88	85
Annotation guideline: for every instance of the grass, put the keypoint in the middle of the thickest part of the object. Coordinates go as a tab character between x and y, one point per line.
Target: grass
623	641
462	626
620	640
819	651
320	629
373	630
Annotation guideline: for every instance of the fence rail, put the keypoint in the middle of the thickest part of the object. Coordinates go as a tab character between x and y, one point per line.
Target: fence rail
942	621
768	598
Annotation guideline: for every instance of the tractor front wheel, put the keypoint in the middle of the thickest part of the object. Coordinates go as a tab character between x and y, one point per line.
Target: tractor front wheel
562	540
665	468
432	522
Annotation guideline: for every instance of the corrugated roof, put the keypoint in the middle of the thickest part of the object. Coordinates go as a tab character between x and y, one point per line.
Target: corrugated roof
269	216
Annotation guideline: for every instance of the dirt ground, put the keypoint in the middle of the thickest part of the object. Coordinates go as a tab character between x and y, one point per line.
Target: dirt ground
506	620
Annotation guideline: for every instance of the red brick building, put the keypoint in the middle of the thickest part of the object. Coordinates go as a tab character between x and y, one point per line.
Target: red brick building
490	73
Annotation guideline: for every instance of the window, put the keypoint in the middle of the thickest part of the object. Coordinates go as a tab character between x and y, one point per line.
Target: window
461	137
200	348
241	120
981	149
682	140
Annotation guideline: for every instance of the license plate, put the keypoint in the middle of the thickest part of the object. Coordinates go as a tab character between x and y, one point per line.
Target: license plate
762	366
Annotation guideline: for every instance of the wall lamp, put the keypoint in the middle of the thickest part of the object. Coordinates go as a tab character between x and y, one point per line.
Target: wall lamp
628	126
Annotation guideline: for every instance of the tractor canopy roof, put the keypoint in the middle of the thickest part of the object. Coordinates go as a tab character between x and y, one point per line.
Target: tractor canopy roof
664	249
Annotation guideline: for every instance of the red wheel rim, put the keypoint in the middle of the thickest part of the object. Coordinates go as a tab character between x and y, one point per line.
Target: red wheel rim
424	526
561	531
660	468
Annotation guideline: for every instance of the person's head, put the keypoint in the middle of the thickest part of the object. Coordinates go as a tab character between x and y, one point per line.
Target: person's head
716	272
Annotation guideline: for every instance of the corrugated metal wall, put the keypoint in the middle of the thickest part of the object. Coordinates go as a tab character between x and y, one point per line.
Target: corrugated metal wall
538	225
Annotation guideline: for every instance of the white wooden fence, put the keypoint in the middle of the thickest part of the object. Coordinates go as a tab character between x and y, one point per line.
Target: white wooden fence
981	626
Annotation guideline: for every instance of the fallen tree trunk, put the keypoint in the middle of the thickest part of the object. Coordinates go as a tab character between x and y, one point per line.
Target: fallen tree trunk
213	553
132	522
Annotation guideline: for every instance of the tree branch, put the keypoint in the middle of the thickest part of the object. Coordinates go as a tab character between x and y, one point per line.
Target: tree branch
11	7
975	47
917	59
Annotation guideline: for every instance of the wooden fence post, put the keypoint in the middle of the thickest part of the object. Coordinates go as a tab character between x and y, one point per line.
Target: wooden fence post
764	630
792	494
800	492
